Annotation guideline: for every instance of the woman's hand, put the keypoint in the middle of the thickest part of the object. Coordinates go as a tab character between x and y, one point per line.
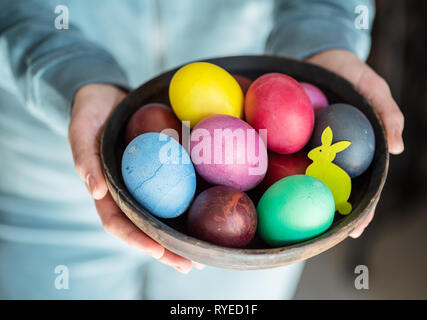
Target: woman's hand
93	104
375	90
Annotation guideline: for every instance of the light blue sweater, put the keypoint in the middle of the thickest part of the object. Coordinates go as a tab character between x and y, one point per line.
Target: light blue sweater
47	217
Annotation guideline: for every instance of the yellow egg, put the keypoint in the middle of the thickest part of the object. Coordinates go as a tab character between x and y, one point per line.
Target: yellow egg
201	89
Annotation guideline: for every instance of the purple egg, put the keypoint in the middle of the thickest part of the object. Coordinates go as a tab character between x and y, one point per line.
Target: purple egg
316	96
227	151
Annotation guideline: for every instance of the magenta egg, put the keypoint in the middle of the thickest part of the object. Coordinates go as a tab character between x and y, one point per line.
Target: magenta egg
226	150
316	96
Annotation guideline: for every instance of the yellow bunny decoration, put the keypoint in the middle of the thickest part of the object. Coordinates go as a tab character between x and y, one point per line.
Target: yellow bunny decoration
322	168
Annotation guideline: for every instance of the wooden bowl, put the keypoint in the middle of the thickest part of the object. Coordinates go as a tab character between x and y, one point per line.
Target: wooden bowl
171	233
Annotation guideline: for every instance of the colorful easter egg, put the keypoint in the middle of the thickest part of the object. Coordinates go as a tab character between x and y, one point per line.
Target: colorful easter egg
158	173
283	165
317	97
279	104
227	151
295	209
224	216
152	117
244	82
201	89
347	124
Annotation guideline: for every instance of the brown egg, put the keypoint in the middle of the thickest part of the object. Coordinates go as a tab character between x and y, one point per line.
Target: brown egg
152	117
244	82
223	215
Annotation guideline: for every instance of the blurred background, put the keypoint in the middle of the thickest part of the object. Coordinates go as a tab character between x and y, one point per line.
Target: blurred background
394	246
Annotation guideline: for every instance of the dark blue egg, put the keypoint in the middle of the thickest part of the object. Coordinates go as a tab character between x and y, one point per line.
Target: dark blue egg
159	174
350	124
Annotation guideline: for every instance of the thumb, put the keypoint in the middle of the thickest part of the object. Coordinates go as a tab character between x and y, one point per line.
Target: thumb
84	142
92	107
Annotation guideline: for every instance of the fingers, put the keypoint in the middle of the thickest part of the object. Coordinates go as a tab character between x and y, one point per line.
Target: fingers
181	264
371	86
118	225
92	106
359	230
378	93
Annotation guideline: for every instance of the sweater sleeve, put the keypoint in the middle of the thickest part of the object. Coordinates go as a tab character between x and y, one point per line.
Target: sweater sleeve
303	28
50	64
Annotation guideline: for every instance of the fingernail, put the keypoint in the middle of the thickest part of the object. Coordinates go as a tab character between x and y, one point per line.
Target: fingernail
81	174
90	182
94	191
156	253
356	234
398	142
182	269
398	134
198	265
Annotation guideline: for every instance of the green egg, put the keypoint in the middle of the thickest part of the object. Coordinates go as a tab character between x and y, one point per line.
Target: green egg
294	209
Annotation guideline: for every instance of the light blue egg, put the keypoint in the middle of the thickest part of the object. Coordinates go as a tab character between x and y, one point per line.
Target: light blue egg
159	174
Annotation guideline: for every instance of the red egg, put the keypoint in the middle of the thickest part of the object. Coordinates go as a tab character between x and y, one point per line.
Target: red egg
244	82
279	104
152	117
223	215
283	165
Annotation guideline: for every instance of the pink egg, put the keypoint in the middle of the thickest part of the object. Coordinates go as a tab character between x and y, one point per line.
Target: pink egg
227	151
316	96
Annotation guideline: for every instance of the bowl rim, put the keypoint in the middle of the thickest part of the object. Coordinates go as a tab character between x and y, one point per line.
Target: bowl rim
276	256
